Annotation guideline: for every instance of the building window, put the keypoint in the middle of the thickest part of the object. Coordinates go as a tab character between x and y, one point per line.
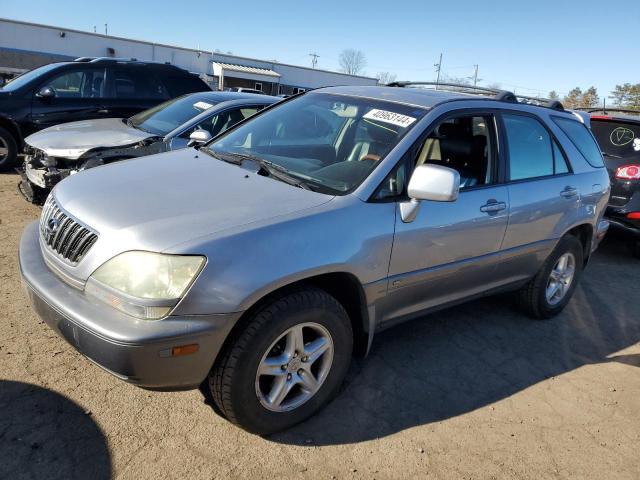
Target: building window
281	89
258	86
297	90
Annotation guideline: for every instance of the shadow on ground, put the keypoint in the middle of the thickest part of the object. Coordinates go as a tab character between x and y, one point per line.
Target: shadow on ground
46	435
467	357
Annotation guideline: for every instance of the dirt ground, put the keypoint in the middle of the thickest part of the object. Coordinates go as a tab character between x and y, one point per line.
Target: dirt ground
478	391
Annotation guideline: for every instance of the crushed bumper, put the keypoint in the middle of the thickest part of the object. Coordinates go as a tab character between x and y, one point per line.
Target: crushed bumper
137	351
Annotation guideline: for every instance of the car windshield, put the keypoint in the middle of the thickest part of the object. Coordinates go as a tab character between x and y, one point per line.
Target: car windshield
169	115
22	80
617	138
332	141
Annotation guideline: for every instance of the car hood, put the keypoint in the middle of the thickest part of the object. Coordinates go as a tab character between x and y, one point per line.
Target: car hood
72	140
160	201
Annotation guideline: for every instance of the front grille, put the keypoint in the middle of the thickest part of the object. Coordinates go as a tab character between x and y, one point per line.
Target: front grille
64	234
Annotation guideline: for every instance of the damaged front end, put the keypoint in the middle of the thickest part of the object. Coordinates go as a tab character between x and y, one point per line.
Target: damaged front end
41	171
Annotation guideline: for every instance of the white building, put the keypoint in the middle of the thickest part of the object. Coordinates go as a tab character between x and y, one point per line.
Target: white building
24	46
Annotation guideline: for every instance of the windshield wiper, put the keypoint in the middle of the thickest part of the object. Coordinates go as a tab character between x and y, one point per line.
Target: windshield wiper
270	168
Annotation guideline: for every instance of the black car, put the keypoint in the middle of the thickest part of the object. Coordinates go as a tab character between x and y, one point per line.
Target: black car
618	133
86	88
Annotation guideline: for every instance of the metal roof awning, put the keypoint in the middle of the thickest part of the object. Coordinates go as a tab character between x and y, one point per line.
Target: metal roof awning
245	71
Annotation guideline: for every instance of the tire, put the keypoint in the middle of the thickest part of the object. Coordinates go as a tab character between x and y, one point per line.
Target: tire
533	296
8	150
242	396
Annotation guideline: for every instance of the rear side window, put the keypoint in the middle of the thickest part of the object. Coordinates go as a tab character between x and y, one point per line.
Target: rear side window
582	139
530	148
180	83
134	83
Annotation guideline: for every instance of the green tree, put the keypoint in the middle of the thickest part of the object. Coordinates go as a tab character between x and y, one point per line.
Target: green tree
620	94
573	98
553	95
590	98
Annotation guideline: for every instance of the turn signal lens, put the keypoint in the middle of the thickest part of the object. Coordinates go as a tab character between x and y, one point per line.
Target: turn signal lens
628	172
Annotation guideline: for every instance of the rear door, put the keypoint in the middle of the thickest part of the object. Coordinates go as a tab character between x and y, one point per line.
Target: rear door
543	192
77	97
131	89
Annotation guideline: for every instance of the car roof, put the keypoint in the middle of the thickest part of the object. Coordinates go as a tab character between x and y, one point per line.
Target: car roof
420	97
615	116
218	97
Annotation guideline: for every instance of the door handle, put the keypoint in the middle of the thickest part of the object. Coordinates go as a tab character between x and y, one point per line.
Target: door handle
569	192
493	206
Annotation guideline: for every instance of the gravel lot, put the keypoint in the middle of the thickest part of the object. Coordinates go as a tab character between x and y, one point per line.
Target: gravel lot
478	391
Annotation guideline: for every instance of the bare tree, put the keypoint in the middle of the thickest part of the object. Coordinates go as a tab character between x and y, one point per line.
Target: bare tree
385	78
352	61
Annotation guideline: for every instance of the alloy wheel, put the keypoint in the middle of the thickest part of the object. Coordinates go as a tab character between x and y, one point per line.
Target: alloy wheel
4	149
560	278
294	367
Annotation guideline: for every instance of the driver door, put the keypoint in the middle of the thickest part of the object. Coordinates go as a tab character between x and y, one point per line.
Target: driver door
77	96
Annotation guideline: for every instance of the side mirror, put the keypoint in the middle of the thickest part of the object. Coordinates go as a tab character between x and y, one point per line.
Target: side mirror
198	137
430	182
46	93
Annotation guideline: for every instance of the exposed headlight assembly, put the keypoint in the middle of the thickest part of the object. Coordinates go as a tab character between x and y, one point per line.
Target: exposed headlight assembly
144	285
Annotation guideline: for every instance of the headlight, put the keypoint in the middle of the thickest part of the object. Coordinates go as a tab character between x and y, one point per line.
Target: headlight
144	284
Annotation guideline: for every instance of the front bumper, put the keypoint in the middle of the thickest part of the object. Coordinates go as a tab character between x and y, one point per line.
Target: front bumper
137	351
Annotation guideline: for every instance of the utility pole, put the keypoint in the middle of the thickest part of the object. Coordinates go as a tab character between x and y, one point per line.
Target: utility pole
475	75
438	68
314	59
94	29
106	31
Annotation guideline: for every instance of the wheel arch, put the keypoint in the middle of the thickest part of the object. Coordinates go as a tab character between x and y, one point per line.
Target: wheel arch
584	233
343	286
13	128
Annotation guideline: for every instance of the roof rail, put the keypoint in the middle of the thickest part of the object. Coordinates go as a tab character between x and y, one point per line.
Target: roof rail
84	59
500	95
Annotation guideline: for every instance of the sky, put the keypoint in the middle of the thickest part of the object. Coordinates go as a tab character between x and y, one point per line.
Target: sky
531	47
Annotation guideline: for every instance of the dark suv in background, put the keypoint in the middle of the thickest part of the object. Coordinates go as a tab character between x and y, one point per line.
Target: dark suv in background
84	89
618	134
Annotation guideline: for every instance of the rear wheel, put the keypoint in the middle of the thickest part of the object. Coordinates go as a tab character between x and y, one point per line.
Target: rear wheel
550	290
8	150
288	362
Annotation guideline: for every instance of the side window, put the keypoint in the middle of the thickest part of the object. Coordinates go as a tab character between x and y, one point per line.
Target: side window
224	120
582	139
133	83
530	148
464	144
78	84
559	160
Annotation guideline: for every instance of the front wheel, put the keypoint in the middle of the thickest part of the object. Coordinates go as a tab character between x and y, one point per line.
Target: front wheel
8	150
547	293
287	362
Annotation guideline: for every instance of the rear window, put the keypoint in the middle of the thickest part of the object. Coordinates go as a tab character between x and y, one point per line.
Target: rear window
580	136
620	139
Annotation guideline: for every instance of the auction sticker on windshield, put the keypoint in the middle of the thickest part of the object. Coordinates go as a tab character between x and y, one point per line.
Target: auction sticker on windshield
389	117
202	105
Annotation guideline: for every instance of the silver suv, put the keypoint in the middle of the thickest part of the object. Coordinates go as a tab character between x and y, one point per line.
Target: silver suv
256	265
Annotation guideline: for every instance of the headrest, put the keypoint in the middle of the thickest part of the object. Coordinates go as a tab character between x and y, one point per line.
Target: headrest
452	130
